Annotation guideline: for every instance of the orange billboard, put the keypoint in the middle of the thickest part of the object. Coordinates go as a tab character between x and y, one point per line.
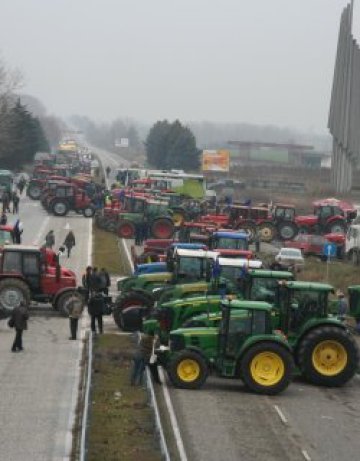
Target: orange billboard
216	160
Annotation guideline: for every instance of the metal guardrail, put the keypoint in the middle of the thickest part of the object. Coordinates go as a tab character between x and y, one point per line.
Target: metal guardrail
85	416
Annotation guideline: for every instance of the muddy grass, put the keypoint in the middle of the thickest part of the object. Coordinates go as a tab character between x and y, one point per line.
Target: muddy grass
105	251
121	421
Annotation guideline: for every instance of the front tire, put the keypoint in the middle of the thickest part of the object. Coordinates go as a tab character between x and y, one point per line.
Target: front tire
126	230
88	212
267	368
287	230
162	228
12	292
328	356
188	370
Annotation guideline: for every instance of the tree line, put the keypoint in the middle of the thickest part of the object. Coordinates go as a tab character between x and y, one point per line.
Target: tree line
21	133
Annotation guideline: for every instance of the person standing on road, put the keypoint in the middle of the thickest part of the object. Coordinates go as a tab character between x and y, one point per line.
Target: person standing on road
3	219
74	316
105	281
108	171
69	242
86	282
16	200
95	281
6	201
17	231
50	239
18	320
96	306
141	356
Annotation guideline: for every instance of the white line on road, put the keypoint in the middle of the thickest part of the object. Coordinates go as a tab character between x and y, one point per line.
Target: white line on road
128	254
90	244
41	230
306	455
281	414
173	419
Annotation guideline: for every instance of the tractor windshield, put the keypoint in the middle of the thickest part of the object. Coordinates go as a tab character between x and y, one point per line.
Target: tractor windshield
226	243
231	273
287	214
192	269
264	289
306	304
154	209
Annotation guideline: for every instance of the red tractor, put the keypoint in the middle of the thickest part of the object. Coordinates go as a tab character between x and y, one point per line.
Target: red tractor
29	274
69	197
330	216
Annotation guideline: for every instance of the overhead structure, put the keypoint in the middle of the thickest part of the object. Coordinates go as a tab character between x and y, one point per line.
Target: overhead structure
344	115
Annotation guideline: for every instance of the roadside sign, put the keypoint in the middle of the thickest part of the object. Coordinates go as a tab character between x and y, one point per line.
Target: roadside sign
329	250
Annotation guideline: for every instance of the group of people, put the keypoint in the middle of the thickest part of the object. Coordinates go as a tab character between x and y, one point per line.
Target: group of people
96	285
69	241
6	199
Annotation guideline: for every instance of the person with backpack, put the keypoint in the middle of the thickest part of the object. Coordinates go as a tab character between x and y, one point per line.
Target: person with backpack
69	242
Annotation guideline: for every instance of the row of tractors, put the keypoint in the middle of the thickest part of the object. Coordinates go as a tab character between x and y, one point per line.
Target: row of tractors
217	310
166	212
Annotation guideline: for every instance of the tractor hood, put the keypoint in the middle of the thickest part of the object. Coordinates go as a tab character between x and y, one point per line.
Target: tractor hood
308	220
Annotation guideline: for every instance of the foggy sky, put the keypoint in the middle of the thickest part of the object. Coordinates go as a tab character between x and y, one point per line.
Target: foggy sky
257	61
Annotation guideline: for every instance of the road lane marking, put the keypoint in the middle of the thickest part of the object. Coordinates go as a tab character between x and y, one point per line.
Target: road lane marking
281	414
173	419
41	230
306	455
90	244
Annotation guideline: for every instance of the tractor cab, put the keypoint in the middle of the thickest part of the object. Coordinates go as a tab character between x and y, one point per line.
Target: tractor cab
354	302
28	263
68	196
191	265
281	212
302	302
263	285
232	244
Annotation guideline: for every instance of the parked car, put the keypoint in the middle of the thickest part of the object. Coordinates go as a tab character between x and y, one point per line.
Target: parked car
312	244
290	257
309	244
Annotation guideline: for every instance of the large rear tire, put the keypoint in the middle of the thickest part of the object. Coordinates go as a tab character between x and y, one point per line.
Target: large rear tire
336	227
188	370
12	292
162	228
287	230
328	356
66	302
267	368
131	299
34	191
60	208
126	229
267	232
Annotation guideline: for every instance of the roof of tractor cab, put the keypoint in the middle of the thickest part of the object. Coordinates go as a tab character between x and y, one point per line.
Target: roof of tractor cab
231	235
22	248
240	263
196	253
309	286
271	274
188	246
244	304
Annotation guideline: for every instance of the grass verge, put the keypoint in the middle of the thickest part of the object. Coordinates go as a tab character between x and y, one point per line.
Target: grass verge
105	251
121	421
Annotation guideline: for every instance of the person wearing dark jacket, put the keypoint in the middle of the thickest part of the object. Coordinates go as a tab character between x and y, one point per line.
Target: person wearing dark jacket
69	242
18	320
96	305
105	280
95	281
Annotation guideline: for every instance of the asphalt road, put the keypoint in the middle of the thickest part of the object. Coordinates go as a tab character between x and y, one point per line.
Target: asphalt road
39	385
224	422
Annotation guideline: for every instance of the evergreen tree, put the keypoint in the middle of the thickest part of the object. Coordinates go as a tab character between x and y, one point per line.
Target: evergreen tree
172	146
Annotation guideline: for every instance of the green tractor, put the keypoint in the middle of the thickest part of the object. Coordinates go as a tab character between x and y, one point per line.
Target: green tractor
155	212
243	346
324	350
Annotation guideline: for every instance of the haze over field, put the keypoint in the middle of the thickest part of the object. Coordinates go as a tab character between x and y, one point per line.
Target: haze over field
263	62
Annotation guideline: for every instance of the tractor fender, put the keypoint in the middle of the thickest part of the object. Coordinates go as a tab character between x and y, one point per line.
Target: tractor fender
260	339
199	351
13	276
61	292
336	218
312	325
